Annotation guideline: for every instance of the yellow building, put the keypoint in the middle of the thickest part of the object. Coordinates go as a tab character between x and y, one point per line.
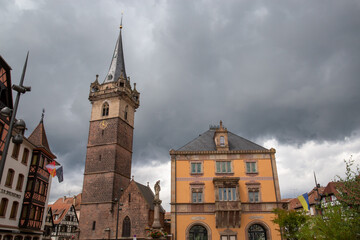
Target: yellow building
223	187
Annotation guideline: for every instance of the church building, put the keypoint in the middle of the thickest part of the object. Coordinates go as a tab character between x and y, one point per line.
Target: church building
223	187
113	205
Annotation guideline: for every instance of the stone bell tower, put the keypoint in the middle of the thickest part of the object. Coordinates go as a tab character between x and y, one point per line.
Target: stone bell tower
109	149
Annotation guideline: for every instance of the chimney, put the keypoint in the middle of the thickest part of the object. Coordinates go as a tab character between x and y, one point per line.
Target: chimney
64	198
74	200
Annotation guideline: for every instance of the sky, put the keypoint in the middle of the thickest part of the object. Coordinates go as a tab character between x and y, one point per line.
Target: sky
283	74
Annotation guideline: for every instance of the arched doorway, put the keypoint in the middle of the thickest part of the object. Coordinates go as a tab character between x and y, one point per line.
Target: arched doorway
256	232
198	232
126	229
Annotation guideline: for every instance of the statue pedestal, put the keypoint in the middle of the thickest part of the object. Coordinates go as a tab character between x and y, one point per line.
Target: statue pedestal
156	223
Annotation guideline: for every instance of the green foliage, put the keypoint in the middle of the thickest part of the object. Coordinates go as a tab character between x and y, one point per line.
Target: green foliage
349	187
338	221
290	223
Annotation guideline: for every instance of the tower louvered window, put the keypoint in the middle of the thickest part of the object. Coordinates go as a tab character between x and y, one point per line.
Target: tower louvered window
105	109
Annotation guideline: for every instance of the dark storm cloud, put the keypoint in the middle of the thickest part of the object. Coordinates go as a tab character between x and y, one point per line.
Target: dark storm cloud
285	70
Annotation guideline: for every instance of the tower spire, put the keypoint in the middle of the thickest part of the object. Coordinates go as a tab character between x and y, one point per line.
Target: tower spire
117	66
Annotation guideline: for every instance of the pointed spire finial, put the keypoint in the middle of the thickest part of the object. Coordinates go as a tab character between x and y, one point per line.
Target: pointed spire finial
42	115
121	20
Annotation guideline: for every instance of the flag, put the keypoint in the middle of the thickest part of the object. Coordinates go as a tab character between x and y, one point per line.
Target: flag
51	168
59	174
304	200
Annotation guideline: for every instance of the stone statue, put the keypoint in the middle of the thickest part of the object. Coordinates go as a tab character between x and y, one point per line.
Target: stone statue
157	189
157	202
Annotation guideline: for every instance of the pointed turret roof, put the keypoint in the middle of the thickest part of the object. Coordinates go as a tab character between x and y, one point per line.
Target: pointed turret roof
117	66
38	137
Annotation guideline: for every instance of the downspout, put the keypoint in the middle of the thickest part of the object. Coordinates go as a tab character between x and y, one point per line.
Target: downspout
175	202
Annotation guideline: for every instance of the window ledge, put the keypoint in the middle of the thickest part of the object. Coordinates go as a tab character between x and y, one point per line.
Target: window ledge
252	174
226	174
196	173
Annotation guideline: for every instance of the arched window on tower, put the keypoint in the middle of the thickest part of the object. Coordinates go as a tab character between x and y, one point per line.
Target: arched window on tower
126	227
126	112
105	109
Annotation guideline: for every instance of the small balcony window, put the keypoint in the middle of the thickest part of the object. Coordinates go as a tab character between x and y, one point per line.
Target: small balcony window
227	194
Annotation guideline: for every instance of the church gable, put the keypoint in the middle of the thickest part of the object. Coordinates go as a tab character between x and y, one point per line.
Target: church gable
136	207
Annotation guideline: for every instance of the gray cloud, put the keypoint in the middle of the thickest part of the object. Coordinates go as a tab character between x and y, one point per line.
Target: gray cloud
283	70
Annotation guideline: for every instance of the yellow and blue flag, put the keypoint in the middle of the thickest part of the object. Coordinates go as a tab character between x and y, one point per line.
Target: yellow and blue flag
304	200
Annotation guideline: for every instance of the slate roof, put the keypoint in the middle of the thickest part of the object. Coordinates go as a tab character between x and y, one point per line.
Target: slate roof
148	195
117	66
205	142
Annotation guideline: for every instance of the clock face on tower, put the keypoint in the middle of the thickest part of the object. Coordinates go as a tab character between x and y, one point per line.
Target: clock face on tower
103	124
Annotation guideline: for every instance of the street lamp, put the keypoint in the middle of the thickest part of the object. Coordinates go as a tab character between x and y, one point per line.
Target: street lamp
19	124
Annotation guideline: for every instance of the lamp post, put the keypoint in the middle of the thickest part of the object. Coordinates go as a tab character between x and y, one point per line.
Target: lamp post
117	213
19	124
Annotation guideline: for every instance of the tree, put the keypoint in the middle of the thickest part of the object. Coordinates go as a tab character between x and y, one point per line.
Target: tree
349	187
290	222
338	221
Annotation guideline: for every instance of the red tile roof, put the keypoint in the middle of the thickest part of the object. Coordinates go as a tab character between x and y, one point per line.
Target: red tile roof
62	206
313	197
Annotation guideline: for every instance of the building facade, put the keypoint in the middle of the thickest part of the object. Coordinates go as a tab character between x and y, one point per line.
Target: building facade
137	211
66	222
25	187
223	187
5	100
109	150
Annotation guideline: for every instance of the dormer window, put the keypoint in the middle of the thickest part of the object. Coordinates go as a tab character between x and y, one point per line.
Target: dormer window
221	138
105	109
222	141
